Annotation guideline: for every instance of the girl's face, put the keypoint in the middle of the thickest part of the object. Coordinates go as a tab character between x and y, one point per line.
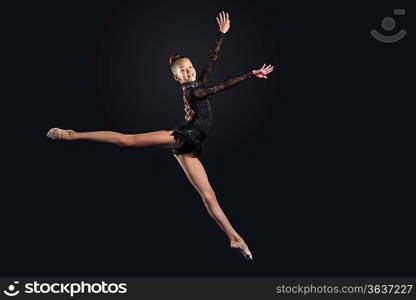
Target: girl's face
183	70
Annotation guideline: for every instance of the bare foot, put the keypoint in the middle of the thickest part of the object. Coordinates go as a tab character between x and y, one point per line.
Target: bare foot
240	245
61	134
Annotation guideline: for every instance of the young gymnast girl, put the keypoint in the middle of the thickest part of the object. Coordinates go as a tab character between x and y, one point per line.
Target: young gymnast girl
186	140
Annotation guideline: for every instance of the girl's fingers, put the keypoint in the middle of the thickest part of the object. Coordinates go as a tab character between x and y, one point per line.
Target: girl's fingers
263	71
218	21
228	16
221	18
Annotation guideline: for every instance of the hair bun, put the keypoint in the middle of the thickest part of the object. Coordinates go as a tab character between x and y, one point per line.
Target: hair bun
174	57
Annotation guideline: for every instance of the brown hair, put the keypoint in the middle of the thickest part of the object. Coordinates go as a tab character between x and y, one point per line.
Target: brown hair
173	58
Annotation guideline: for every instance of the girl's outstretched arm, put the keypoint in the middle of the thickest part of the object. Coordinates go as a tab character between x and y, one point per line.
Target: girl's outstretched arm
201	92
224	25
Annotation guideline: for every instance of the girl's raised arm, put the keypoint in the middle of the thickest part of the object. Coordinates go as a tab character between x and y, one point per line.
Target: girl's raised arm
224	25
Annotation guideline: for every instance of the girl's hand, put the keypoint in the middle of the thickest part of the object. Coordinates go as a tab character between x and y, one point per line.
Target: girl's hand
223	21
263	71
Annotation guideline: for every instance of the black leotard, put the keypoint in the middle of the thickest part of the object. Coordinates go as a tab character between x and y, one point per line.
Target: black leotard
198	114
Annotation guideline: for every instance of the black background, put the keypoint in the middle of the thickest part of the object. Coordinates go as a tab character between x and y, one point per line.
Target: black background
315	165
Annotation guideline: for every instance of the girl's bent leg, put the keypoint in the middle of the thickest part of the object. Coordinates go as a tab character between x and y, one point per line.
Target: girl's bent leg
196	174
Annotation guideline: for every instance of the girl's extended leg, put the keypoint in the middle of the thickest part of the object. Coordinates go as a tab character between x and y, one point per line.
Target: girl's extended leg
161	138
196	174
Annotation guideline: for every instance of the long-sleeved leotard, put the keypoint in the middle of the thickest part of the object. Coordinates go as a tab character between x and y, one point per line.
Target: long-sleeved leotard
198	113
197	105
204	92
212	58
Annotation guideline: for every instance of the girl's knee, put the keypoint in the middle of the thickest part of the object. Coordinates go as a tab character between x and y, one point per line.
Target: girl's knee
209	197
125	140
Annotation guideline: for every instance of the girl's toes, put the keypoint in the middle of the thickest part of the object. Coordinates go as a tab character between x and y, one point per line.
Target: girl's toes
61	134
53	133
248	253
242	247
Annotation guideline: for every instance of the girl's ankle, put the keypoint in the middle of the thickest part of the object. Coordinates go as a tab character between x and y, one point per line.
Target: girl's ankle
73	135
236	239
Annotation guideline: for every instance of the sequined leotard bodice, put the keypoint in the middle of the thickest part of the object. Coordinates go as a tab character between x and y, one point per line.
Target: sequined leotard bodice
197	106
